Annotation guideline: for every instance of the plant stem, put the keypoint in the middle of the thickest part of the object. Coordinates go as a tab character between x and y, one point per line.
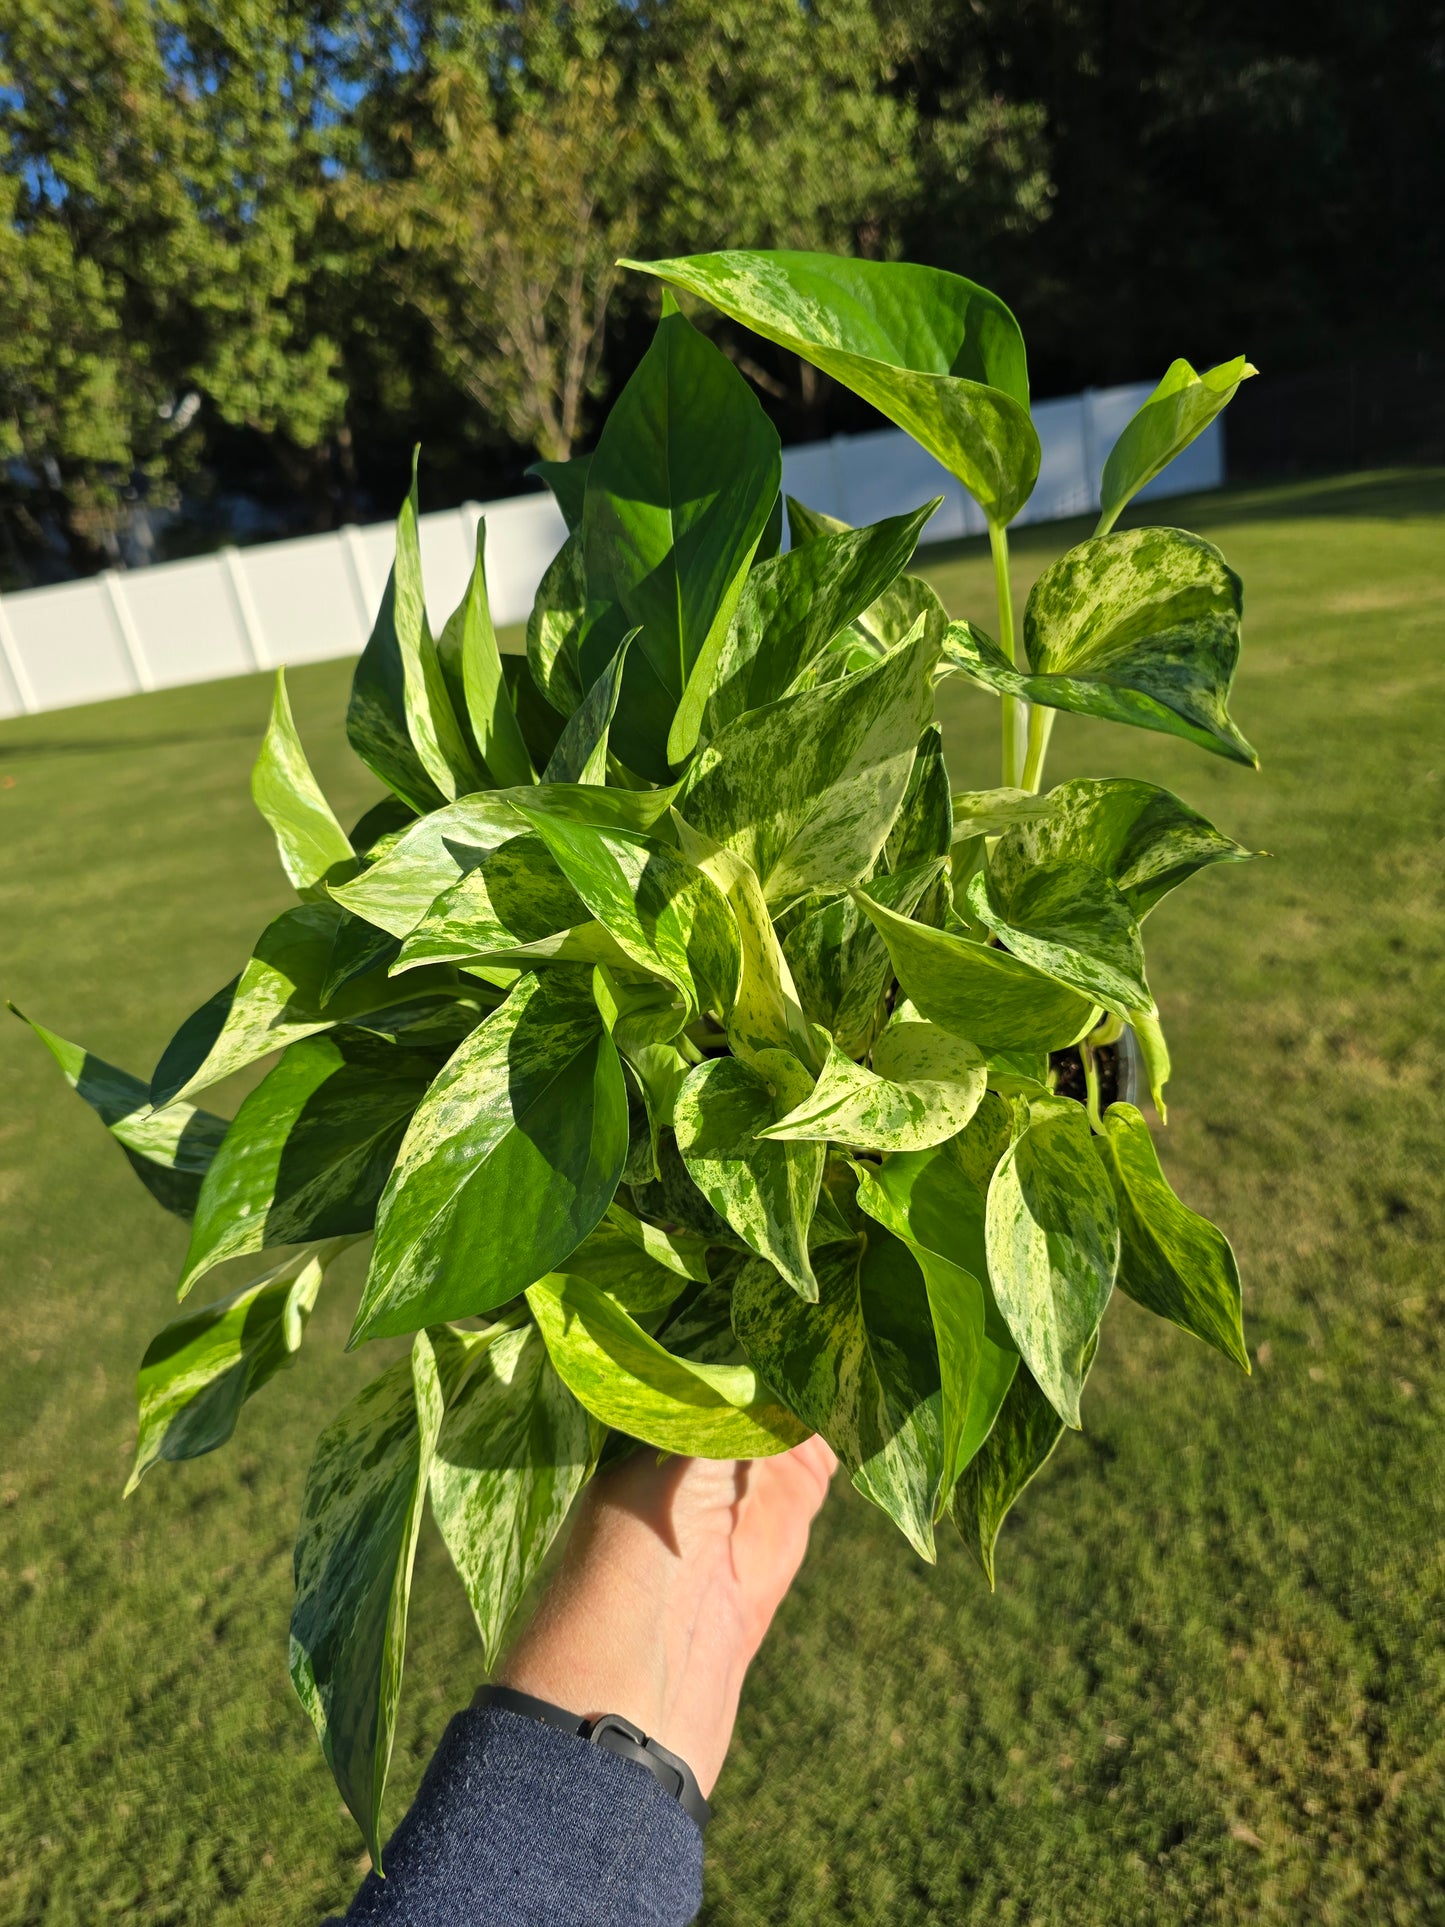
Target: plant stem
1091	1088
1014	712
1041	725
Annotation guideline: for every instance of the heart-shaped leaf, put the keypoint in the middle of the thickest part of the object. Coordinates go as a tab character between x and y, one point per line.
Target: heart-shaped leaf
1142	838
996	1001
937	354
1180	408
1053	1247
1140	628
1170	1259
861	1367
765	1191
514	898
667	916
631	1382
1069	920
678	494
924	1088
509	1162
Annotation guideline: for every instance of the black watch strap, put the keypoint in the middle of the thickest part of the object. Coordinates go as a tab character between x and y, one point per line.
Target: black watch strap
615	1735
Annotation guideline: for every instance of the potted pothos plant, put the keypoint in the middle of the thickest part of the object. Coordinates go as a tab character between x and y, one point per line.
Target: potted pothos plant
707	1064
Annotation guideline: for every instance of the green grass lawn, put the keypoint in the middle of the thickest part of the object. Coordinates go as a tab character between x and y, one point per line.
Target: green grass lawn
1211	1683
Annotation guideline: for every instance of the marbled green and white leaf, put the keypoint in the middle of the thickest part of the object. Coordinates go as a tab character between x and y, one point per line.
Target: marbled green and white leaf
792	607
861	1367
996	1001
170	1150
808	789
400	720
199	1371
312	844
631	1382
839	962
1170	1259
1142	838
1149	1035
1140	627
514	1450
1180	408
933	1202
993	812
396	892
1023	1437
678	494
512	1158
938	355
766	1191
908	606
471	664
554	628
1053	1247
766	1014
923	829
581	752
309	1151
276	1000
924	1088
1070	921
360	1515
667	916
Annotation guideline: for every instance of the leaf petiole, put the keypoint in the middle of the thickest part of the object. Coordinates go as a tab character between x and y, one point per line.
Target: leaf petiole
1015	711
1041	726
1091	1087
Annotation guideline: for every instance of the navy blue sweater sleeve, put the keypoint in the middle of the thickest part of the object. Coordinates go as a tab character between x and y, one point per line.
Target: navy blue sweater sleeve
518	1824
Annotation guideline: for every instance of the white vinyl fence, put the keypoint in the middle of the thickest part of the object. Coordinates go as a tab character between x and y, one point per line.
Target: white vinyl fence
301	601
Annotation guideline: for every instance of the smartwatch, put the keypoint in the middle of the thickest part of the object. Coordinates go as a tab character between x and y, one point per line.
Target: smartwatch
614	1735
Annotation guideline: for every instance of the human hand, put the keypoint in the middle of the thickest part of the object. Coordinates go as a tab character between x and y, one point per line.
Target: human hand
669	1582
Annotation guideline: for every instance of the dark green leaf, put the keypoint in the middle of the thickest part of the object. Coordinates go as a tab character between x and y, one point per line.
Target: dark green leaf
678	494
170	1150
923	829
568	483
861	1367
581	752
309	1151
275	1001
1170	1259
512	1158
1053	1247
937	354
199	1372
554	628
360	1515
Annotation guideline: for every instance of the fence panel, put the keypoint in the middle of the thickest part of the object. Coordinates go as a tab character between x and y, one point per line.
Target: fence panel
315	597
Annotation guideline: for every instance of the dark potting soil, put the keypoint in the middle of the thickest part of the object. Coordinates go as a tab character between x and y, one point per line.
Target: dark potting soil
1068	1068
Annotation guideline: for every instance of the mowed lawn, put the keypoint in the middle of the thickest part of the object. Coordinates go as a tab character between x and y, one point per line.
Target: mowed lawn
1211	1683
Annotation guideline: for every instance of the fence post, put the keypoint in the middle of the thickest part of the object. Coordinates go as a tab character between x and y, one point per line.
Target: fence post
130	637
17	674
247	614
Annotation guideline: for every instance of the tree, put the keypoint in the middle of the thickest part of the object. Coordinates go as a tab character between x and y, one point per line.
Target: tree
165	190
